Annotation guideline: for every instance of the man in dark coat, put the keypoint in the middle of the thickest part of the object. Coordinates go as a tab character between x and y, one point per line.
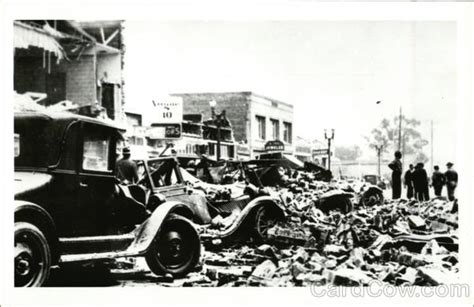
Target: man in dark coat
451	180
126	169
396	167
420	182
409	181
438	180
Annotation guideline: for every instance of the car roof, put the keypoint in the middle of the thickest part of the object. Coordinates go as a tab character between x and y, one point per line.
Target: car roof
67	117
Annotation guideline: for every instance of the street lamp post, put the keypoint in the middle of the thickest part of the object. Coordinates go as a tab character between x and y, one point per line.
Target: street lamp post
219	120
379	149
329	138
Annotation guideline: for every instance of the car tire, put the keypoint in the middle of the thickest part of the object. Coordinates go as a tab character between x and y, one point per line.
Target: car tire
176	249
263	220
32	256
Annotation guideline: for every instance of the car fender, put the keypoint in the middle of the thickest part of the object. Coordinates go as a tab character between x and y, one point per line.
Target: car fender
251	208
35	214
147	231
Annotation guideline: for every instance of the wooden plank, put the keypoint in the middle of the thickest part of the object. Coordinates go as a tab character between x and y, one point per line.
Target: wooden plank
102	35
111	37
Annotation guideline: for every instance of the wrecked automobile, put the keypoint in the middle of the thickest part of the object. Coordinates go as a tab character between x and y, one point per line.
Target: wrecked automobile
69	207
227	213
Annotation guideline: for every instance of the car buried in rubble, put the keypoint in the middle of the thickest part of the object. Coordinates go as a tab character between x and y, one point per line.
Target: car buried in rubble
247	211
70	208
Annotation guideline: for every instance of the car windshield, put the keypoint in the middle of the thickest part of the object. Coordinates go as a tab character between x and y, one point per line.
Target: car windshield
163	172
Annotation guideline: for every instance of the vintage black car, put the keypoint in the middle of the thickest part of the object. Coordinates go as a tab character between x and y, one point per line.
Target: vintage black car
250	211
69	206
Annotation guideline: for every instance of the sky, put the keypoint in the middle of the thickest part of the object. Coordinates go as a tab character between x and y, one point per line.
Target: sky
333	72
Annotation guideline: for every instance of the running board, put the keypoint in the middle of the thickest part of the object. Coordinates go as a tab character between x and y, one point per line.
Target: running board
97	256
96	244
92	239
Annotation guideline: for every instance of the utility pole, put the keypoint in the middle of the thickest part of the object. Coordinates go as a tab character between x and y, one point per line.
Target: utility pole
432	158
219	120
400	131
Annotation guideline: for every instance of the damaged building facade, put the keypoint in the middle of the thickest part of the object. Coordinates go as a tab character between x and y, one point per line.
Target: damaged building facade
65	60
255	119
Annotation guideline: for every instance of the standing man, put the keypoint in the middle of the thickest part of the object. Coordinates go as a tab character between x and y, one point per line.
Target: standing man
425	185
420	182
438	180
126	169
451	180
409	181
396	167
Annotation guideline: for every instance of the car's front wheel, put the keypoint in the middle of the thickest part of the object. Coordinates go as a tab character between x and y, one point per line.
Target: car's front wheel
176	249
32	256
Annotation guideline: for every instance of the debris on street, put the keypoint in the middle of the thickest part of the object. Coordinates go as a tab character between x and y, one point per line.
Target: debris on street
331	237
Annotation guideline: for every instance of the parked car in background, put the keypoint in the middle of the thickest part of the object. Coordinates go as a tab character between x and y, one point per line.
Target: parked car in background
375	180
69	206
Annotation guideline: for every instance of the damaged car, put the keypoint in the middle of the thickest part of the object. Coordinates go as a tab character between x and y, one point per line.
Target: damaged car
69	207
226	213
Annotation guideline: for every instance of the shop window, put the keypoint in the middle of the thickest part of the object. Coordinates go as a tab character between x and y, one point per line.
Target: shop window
287	132
261	127
275	129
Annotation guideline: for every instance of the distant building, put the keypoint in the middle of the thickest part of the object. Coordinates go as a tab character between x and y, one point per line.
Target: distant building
255	119
312	151
200	136
69	60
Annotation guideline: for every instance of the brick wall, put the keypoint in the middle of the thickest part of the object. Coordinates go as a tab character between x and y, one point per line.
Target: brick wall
81	85
235	104
242	109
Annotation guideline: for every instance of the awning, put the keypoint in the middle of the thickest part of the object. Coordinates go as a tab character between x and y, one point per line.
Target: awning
294	160
26	36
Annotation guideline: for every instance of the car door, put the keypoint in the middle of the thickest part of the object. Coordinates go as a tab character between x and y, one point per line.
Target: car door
96	179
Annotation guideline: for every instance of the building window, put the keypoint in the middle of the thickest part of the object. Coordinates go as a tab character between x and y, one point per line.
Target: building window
231	150
287	133
212	149
261	127
275	129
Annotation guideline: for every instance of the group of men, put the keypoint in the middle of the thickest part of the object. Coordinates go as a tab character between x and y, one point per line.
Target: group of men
417	183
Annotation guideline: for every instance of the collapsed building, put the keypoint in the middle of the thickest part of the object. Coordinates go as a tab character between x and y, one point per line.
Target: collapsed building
65	60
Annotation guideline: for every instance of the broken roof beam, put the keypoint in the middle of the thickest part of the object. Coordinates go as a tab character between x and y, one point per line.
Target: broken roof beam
111	37
75	25
102	35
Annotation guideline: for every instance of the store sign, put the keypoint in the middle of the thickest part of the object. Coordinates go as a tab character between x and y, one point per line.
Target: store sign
274	146
165	131
303	149
320	152
168	110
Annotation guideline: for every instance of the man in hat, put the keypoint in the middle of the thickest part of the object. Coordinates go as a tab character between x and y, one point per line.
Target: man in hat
451	180
437	181
126	169
396	167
